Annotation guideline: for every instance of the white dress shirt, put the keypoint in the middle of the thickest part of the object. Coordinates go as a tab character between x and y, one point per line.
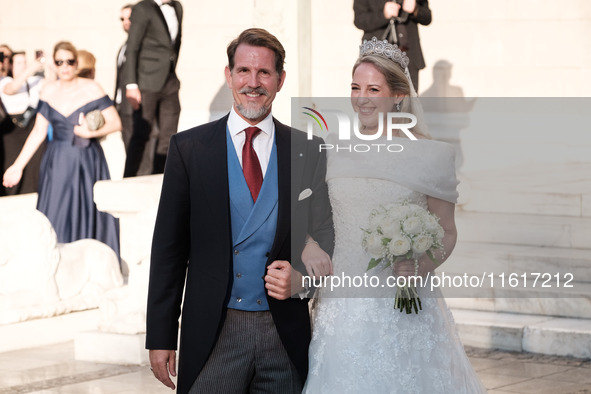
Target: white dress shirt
262	143
171	18
17	103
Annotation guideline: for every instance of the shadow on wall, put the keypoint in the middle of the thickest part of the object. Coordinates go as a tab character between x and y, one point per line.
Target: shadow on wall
442	88
221	103
446	109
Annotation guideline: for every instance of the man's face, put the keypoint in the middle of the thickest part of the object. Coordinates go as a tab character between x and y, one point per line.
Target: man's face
125	15
5	65
254	82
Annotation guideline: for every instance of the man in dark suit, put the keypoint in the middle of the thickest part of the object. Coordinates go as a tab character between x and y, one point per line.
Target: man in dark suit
373	17
121	103
153	46
224	233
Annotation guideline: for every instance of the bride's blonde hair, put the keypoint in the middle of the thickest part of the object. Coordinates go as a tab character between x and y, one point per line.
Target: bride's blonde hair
398	83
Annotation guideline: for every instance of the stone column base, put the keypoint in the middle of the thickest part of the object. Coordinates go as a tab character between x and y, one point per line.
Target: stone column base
111	348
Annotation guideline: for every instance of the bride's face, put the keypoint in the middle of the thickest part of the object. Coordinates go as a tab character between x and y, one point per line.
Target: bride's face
371	95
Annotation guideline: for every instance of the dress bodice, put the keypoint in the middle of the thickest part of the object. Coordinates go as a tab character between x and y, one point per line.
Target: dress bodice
352	201
362	182
63	126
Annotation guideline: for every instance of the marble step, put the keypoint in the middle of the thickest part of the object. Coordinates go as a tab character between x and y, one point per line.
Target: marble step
554	189
524	229
481	257
48	331
574	307
525	332
495	264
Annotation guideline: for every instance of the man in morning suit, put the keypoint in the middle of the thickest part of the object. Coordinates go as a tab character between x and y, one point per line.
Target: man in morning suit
226	229
152	86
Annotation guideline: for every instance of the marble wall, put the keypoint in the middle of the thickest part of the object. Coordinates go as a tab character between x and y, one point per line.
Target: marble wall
528	48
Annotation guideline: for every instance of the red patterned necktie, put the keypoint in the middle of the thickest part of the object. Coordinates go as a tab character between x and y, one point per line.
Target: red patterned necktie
250	163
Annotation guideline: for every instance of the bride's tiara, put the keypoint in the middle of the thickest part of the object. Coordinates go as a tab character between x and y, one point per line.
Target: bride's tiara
384	49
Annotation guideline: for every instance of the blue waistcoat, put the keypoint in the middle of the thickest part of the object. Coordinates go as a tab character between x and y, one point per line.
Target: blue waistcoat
253	231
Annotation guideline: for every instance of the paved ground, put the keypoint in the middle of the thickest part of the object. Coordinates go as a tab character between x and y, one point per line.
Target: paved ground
52	369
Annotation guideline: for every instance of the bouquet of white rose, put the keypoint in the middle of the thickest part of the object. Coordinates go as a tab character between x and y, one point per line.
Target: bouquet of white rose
397	232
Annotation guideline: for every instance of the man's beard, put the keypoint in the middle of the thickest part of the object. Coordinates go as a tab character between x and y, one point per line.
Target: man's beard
253	113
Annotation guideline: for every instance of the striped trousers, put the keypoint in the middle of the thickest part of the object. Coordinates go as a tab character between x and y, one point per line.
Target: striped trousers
248	357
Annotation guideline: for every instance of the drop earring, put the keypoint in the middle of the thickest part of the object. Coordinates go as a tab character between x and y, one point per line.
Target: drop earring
397	107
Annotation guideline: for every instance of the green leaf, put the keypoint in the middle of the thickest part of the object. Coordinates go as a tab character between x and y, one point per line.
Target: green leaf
432	257
373	263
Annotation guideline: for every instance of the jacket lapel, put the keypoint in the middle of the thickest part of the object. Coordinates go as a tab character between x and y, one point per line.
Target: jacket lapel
284	176
213	169
178	11
161	15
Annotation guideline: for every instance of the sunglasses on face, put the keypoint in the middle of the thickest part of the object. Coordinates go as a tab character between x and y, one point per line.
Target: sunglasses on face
70	62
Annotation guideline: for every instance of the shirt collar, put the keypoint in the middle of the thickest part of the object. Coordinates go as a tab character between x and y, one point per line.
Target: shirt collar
236	124
159	2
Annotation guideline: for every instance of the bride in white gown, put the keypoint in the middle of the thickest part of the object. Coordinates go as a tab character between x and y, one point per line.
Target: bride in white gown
360	343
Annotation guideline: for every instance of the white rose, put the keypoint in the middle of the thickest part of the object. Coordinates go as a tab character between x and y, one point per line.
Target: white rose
374	222
439	233
391	206
399	246
431	224
398	210
373	245
412	225
416	209
390	228
421	244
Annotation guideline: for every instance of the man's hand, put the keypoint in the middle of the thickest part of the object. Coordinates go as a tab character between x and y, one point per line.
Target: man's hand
162	363
134	97
391	9
282	281
409	6
316	260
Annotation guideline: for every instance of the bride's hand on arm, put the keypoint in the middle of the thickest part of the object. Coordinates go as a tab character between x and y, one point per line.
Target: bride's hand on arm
13	174
445	211
316	260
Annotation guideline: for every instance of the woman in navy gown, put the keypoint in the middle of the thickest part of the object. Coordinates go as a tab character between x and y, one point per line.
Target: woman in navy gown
73	160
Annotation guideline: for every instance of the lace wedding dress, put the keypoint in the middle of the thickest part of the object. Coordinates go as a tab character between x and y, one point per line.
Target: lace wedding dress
360	343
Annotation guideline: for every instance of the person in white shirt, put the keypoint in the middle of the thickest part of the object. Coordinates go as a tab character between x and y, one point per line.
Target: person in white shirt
20	96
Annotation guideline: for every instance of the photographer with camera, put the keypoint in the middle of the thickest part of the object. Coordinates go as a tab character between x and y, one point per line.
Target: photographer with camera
20	96
395	21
